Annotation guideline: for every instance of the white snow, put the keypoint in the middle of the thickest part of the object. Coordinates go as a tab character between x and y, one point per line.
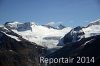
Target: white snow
95	21
38	32
13	25
92	30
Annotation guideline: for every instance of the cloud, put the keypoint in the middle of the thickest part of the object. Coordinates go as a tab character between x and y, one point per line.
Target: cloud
51	23
54	23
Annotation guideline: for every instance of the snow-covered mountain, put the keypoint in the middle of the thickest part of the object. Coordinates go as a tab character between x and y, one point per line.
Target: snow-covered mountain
29	41
49	35
78	33
97	22
54	25
40	34
92	29
18	26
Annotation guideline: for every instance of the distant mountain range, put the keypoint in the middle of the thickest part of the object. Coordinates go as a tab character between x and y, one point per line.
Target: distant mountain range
79	32
21	44
44	35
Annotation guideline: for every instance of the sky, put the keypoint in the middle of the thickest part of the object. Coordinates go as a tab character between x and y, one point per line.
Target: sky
69	12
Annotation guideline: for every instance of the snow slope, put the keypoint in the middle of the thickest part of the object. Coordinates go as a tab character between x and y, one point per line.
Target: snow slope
78	33
92	29
45	36
39	34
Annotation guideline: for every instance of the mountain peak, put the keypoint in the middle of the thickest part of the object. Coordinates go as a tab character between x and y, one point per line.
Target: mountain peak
18	26
55	25
77	28
12	22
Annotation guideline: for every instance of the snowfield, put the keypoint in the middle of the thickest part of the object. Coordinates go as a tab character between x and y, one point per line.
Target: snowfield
47	35
92	29
38	33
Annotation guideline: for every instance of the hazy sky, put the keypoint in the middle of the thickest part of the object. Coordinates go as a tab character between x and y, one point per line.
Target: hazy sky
69	12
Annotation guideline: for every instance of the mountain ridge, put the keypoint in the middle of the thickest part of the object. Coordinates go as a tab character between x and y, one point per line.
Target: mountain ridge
23	46
37	33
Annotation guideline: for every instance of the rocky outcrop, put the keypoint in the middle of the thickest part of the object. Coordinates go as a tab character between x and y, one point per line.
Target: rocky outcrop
74	35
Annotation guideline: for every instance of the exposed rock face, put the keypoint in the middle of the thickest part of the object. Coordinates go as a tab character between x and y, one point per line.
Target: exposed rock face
41	35
19	53
74	35
58	27
61	26
18	26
